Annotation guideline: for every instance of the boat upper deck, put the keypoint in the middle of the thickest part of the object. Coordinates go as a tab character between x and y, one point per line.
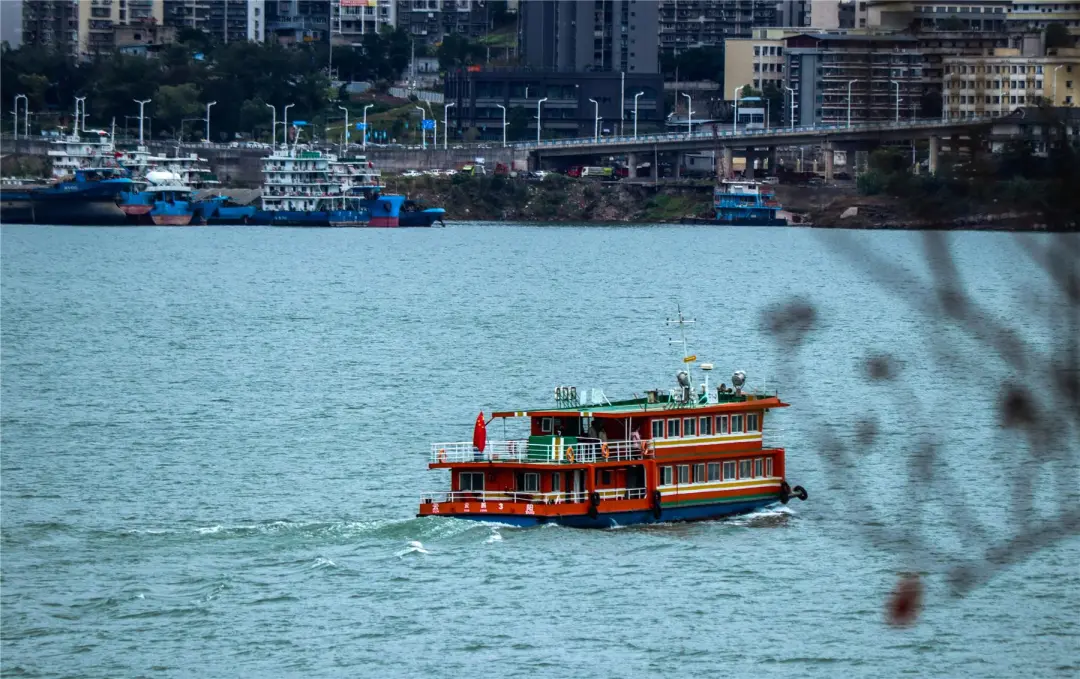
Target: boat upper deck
655	403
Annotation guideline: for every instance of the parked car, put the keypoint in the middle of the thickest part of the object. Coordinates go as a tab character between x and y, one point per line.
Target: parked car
411	173
450	173
770	180
540	174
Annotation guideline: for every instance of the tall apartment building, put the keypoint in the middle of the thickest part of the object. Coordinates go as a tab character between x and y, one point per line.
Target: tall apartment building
886	70
939	15
432	20
590	35
757	61
998	83
686	24
226	20
295	21
85	28
352	19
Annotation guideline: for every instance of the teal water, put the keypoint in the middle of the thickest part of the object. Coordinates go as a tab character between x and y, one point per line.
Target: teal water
214	441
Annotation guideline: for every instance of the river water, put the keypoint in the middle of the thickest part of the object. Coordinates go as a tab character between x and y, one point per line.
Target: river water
214	441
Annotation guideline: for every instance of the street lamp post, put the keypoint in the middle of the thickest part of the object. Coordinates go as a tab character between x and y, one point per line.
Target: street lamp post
735	122
538	103
1054	103
26	116
849	84
596	120
423	137
285	125
791	123
635	113
208	105
142	104
345	134
273	127
446	124
894	82
80	101
366	107
504	124
689	113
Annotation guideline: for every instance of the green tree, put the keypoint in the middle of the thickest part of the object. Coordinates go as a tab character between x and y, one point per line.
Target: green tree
173	103
1057	35
456	52
517	123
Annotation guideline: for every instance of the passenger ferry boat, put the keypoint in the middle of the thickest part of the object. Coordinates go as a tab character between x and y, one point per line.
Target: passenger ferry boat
744	202
188	170
172	201
301	188
679	455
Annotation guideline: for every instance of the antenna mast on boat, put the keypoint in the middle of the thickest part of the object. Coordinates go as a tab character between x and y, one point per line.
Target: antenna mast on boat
681	322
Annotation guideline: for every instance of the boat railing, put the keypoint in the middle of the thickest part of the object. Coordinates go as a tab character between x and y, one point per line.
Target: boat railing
535	497
552	453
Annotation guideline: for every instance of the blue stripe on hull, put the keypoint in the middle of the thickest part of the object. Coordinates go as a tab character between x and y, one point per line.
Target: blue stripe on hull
670	514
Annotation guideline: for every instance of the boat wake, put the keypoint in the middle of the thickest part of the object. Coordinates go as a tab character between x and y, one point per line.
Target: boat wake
414	547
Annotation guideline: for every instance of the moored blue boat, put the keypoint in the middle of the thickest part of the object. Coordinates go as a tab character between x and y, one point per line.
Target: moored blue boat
744	203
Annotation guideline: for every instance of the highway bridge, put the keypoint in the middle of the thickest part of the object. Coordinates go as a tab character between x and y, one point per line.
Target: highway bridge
731	142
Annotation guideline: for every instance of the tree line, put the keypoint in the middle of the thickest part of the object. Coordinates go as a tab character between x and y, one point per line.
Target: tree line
242	77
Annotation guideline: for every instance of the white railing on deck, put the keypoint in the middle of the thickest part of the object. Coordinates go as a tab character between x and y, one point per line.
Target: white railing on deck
523	451
555	498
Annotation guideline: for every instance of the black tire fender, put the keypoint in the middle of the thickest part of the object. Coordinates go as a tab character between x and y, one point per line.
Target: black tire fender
657	509
785	492
800	492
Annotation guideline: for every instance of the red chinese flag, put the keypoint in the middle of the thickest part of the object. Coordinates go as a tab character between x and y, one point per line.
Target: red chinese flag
479	433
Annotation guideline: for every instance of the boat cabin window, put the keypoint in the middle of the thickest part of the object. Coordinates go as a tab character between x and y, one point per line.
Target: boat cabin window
759	468
684	473
714	471
603	477
672	429
729	471
705	427
528	483
658	429
689	426
665	476
721	424
471	481
744	469
752	422
545	425
699	473
736	424
556	482
768	466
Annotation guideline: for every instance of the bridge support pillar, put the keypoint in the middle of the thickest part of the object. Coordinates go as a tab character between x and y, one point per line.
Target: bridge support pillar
727	171
935	149
772	161
631	165
827	152
748	166
678	165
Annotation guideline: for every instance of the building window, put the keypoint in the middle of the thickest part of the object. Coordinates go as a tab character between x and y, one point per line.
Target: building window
473	481
684	473
752	422
729	471
658	429
736	424
744	469
689	426
672	429
721	424
665	476
759	468
768	466
699	473
714	471
705	425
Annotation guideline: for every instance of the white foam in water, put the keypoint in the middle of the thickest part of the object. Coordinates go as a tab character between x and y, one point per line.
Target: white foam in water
413	547
495	536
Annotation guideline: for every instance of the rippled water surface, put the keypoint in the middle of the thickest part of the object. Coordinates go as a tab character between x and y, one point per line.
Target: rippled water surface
214	440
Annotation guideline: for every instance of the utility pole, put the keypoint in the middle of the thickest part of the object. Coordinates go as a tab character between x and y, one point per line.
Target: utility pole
141	104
